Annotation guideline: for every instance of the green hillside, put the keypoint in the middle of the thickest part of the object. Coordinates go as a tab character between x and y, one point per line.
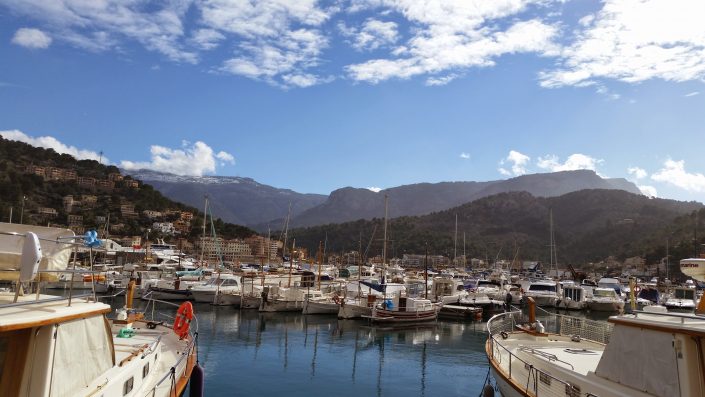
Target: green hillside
34	181
589	226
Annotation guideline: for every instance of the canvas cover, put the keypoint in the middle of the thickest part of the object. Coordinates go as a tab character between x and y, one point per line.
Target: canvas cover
83	352
55	255
642	359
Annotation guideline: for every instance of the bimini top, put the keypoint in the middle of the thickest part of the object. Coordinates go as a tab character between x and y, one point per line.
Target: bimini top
56	246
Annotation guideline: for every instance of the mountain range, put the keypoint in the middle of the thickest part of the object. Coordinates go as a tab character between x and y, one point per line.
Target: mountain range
245	201
589	226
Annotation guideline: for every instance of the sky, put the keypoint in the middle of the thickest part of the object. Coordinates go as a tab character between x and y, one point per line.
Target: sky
314	96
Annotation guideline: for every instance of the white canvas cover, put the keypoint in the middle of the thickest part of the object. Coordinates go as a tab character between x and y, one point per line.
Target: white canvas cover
55	256
83	352
642	359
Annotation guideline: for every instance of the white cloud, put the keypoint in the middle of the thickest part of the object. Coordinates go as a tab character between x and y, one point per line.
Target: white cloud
49	142
649	191
576	161
518	163
694	93
102	25
634	41
636	172
194	160
374	189
464	155
278	41
674	173
31	38
449	37
372	35
207	39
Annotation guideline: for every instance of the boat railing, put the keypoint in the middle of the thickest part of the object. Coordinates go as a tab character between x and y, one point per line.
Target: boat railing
524	374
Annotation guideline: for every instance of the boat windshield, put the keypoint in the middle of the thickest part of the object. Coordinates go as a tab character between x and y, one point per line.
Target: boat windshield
542	287
684	294
649	294
603	293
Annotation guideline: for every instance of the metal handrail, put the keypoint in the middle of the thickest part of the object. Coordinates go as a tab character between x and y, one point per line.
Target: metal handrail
495	344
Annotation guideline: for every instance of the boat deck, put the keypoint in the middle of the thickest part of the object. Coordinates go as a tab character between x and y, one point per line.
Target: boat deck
559	351
47	310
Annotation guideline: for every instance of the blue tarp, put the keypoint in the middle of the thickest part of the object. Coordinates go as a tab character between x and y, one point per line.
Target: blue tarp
374	286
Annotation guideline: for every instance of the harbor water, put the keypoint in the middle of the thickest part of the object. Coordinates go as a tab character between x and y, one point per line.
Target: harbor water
248	353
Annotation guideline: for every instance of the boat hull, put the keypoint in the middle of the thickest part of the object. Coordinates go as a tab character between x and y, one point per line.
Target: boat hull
313	307
607	306
351	310
281	306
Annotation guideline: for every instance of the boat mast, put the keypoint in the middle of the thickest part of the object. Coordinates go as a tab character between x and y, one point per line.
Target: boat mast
320	262
203	237
455	242
384	244
291	261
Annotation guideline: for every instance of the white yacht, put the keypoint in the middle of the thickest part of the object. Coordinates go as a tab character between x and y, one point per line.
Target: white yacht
225	283
641	355
605	300
67	346
447	290
681	298
574	297
544	293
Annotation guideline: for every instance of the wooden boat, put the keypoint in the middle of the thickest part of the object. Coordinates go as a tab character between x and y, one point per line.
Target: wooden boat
401	310
67	346
640	354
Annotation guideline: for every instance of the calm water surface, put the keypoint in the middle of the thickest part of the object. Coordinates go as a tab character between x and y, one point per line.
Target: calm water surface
275	354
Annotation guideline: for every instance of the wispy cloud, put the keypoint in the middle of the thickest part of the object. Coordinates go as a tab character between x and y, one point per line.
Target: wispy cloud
675	174
517	162
465	156
372	35
31	38
694	93
637	173
103	25
49	142
192	159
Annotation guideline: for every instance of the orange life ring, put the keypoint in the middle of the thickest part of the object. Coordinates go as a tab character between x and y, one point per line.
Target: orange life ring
637	289
182	322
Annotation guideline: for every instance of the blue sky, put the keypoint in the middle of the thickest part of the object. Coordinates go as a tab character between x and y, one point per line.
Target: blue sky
315	96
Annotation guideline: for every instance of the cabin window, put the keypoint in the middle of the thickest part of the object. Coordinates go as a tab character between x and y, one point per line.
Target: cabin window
145	370
127	386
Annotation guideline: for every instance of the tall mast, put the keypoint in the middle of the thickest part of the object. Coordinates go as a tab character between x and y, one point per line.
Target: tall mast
291	261
455	241
384	244
320	262
203	237
286	231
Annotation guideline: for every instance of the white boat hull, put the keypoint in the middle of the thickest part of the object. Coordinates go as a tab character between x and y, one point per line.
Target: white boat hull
606	306
313	307
281	306
352	310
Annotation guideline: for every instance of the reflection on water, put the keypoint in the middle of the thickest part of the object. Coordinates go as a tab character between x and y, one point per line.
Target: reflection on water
269	354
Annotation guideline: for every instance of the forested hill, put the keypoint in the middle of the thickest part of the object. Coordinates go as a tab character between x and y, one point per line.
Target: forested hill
44	187
589	226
